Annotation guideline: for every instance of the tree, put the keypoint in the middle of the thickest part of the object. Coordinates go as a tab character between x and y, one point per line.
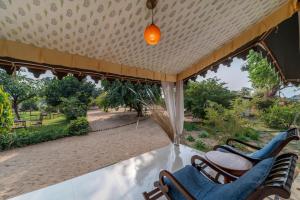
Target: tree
6	118
198	93
245	91
128	94
20	88
71	95
69	86
73	108
29	105
262	74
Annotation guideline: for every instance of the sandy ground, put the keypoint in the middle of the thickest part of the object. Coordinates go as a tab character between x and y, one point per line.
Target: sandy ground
26	169
100	120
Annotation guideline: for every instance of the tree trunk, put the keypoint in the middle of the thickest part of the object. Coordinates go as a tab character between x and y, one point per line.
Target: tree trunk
139	110
15	107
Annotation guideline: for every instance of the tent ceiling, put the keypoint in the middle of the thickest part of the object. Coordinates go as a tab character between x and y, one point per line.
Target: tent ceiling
112	30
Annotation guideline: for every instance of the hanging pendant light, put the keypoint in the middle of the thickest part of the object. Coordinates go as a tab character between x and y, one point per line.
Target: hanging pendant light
152	32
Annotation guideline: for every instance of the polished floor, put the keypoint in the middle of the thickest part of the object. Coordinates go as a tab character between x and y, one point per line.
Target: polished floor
125	180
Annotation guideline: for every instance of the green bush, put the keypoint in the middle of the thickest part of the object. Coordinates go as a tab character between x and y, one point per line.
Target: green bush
6	117
30	104
263	103
281	116
226	123
190	138
191	126
34	135
73	108
247	134
197	94
203	134
101	101
79	126
200	145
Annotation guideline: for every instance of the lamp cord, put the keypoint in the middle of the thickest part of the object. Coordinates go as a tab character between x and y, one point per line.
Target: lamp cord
152	15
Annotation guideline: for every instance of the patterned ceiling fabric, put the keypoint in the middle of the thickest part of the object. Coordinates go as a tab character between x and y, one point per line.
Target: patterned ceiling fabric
112	30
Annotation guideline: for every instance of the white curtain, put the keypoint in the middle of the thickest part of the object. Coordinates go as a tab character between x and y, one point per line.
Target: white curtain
175	106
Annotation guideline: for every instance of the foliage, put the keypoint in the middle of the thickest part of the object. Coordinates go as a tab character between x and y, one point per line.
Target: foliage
34	135
227	123
19	88
6	117
203	134
200	145
128	94
197	94
262	103
190	138
73	108
79	126
261	73
102	102
191	126
55	90
245	91
29	105
282	116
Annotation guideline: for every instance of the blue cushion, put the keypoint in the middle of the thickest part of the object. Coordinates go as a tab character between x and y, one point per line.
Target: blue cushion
245	185
196	183
269	148
202	188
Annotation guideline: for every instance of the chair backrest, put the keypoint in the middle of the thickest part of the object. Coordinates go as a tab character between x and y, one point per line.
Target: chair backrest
274	147
279	180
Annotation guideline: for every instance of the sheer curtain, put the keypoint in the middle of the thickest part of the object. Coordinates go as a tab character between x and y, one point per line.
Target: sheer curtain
175	106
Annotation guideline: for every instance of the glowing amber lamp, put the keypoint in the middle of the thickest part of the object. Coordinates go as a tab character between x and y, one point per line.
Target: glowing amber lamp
152	34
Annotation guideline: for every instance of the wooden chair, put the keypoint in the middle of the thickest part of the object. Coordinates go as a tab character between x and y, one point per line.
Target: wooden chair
272	176
271	149
37	122
19	124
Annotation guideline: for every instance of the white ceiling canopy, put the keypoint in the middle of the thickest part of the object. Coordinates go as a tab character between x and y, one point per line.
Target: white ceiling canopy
112	30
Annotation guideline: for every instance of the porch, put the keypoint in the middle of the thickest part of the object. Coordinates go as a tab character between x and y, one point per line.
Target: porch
124	180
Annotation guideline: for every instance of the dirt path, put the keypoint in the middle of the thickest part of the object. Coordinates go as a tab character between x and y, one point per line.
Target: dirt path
26	169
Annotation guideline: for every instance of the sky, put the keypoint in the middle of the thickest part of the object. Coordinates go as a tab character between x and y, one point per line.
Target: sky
233	76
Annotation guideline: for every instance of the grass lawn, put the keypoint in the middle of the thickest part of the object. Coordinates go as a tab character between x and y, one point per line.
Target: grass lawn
35	115
50	130
26	115
58	122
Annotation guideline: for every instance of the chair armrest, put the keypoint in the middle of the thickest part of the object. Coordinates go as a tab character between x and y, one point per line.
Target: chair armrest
219	171
230	140
164	188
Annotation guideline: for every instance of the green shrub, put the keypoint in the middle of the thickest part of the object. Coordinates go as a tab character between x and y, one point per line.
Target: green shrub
264	103
190	138
191	126
251	133
200	145
73	108
203	134
6	117
226	123
79	126
281	116
34	135
197	94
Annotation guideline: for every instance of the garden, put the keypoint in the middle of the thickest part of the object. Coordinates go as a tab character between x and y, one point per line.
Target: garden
214	113
34	111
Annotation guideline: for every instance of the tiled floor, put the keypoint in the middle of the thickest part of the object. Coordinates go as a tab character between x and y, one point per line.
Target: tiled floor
125	180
